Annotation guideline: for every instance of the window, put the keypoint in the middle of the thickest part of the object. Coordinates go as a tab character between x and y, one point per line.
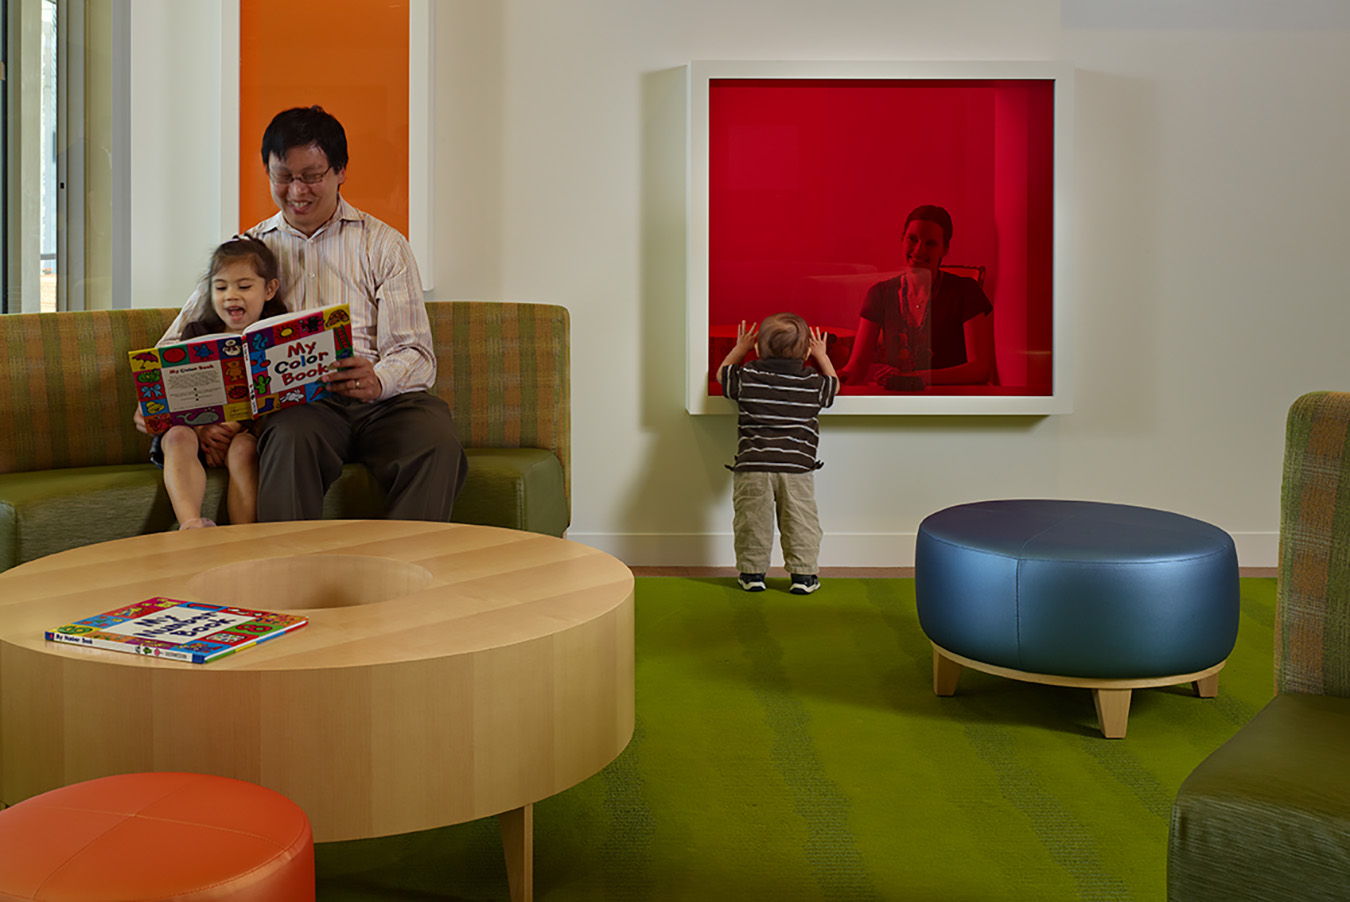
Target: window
4	156
47	166
46	156
30	98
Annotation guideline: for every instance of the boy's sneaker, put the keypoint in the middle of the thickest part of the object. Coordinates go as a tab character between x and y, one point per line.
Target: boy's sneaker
804	583
751	582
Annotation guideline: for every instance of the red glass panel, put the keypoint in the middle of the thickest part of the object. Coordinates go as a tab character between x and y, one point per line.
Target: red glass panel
810	181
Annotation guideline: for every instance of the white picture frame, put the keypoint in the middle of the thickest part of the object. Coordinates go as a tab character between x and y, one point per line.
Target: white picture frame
1053	391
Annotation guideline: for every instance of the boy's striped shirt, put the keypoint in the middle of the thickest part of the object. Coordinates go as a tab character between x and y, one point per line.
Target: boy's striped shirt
780	400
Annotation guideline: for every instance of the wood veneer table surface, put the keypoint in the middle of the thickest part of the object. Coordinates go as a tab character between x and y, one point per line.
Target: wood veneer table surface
448	672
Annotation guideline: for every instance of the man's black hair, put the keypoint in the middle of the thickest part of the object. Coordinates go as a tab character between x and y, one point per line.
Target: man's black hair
301	127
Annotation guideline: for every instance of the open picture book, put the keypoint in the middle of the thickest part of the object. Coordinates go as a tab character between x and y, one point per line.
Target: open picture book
274	363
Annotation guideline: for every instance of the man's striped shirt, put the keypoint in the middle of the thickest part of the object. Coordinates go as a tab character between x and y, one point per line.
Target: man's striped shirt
355	259
780	400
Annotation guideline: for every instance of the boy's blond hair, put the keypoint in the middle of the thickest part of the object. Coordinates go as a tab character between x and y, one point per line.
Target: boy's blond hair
785	336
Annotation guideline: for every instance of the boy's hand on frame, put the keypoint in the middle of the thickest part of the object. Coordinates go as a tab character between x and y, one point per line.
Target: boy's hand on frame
746	336
820	345
819	348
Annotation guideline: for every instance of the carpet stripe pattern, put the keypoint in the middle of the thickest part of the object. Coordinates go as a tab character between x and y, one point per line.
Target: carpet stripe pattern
791	748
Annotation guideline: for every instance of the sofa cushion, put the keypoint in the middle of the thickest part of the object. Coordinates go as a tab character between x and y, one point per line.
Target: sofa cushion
53	510
520	488
515	488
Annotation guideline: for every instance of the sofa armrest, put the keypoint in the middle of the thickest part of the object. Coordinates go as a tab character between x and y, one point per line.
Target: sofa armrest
1265	815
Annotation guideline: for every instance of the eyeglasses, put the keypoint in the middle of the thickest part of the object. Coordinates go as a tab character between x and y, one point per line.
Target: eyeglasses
282	179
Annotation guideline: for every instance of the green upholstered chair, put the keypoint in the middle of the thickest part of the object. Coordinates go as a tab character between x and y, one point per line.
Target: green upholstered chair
1267	815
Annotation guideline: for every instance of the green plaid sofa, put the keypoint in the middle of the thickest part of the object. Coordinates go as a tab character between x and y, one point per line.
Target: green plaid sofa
74	470
1267	815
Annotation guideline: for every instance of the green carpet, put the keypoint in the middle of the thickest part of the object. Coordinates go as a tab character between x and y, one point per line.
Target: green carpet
791	748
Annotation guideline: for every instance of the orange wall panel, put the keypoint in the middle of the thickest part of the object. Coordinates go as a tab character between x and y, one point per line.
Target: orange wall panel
349	57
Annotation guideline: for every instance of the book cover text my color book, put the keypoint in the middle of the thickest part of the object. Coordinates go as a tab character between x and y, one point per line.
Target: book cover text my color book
274	363
179	630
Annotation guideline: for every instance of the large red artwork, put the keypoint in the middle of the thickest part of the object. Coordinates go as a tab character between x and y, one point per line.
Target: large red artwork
809	185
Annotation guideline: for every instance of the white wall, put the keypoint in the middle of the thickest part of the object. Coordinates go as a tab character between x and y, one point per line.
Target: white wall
176	146
1207	214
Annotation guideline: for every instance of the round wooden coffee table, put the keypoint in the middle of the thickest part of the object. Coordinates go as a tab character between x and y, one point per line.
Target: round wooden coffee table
448	672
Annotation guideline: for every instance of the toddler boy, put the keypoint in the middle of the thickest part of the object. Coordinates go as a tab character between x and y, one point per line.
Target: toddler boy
776	437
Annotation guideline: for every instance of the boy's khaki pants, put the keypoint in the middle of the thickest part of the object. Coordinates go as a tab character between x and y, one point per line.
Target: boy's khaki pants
790	498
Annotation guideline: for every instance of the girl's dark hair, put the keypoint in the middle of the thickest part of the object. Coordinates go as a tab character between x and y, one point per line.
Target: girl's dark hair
934	214
248	249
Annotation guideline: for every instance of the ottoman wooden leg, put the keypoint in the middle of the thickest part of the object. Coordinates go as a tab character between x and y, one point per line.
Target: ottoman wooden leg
1113	711
945	674
1207	687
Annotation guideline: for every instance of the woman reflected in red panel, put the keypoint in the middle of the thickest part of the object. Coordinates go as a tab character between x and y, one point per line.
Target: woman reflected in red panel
924	326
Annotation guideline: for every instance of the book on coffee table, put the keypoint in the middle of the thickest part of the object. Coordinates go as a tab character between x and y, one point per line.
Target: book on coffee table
190	631
274	363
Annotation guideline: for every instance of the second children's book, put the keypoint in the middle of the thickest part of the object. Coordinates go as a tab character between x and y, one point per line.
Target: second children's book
274	363
191	631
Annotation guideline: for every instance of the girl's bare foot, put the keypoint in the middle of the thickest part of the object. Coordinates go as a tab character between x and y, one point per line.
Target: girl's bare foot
197	523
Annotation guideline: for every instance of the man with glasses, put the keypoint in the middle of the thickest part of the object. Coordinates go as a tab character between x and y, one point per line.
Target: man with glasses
383	414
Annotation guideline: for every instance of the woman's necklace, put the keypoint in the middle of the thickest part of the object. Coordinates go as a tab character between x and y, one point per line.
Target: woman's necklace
916	307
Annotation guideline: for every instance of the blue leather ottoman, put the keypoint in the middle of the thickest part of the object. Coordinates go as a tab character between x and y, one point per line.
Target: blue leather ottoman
1107	597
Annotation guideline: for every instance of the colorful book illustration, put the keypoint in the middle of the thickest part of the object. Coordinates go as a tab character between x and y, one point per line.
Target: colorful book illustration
179	630
274	363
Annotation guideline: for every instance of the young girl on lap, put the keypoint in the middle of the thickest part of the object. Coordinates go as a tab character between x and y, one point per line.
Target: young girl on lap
243	279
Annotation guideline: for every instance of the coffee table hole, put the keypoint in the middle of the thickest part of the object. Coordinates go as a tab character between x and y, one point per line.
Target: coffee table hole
309	581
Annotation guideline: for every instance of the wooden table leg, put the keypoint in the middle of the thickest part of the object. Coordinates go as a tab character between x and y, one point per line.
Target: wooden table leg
517	827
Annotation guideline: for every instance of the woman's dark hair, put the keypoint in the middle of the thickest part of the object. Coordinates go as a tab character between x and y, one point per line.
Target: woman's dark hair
934	214
248	249
302	126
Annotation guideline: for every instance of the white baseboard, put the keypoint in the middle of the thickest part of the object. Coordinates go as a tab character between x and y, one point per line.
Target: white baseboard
1255	549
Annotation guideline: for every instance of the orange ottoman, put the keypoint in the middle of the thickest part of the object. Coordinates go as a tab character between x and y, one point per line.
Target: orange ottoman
164	836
